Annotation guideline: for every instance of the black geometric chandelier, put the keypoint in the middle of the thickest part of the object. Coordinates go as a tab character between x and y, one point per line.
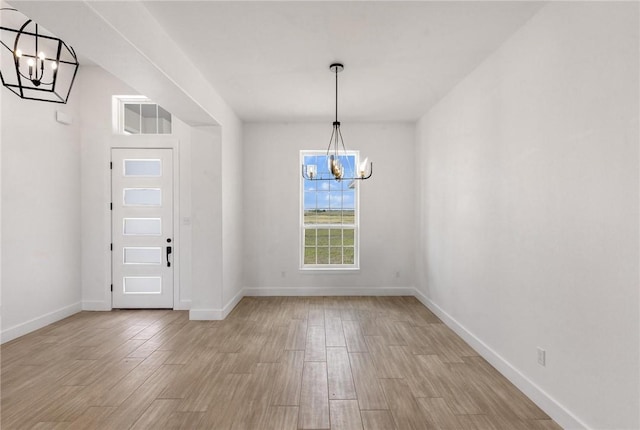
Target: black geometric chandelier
35	65
337	151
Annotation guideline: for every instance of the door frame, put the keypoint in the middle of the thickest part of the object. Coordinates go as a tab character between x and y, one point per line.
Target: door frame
152	142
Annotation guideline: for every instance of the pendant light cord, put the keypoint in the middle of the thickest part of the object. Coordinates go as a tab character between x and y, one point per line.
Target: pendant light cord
336	94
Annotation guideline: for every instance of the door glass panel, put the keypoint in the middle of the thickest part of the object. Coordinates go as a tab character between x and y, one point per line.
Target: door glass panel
144	168
142	284
142	197
142	255
142	226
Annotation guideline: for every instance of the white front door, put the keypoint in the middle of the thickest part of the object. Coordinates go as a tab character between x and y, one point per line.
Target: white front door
142	228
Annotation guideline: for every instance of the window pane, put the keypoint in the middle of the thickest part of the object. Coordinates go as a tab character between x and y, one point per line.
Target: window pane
335	237
323	237
149	168
132	118
149	113
323	199
323	255
335	217
164	121
349	255
310	216
309	195
310	237
348	237
349	199
309	255
335	255
324	216
348	217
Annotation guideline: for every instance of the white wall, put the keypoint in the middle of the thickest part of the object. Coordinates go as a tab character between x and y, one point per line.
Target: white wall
40	213
1	326
272	213
232	214
97	89
528	211
206	225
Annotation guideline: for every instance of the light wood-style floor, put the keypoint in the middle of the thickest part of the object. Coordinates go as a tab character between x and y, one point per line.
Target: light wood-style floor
275	363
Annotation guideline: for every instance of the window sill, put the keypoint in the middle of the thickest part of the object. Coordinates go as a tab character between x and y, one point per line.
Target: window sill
328	270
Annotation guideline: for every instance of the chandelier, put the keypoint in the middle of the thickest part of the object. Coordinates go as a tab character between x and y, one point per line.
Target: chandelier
35	64
337	151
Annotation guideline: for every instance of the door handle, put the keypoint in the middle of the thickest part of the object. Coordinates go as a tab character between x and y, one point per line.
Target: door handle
168	253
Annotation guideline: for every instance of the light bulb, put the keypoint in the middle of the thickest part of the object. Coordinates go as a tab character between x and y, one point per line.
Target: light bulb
311	170
337	170
54	65
18	53
363	167
41	56
30	62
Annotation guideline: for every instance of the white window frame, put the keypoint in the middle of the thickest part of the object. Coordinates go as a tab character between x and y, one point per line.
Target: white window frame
356	226
118	103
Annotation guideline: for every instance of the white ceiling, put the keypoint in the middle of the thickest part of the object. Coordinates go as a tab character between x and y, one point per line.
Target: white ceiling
270	60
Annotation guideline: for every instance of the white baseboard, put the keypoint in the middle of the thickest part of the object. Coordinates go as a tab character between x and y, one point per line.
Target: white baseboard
220	314
216	314
95	305
39	322
100	305
553	408
330	291
232	303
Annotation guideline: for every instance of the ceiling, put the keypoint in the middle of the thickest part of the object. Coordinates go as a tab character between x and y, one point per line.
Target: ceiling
270	60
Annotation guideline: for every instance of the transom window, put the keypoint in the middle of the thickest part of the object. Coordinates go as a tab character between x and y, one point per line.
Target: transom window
139	115
329	213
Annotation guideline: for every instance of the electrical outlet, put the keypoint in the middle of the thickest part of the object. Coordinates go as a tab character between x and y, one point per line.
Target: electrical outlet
542	357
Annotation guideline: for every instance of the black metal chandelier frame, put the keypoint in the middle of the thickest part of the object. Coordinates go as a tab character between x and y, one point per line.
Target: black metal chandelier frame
336	142
33	82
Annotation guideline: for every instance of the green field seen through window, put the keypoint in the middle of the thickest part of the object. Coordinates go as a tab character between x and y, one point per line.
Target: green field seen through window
329	245
319	216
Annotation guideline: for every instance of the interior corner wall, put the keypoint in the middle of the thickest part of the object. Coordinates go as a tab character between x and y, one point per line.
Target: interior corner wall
528	211
272	210
232	215
1	97
40	213
206	224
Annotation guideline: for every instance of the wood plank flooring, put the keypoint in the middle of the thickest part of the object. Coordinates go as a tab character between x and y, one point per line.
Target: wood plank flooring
355	363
